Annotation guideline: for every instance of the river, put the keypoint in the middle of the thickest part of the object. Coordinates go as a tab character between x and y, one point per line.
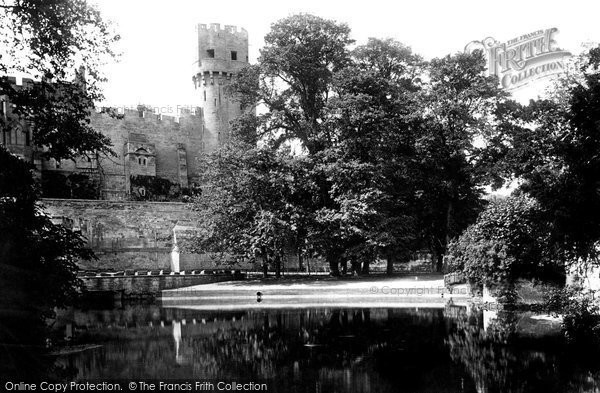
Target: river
329	349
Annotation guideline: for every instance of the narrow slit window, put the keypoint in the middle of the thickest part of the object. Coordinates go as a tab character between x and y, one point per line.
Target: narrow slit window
204	95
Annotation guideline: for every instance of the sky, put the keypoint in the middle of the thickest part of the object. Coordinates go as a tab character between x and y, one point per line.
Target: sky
158	37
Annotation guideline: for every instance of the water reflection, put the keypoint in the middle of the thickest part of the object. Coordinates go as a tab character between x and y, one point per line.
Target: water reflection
325	350
510	352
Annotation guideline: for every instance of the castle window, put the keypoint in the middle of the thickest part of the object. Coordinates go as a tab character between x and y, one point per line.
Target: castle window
215	102
142	161
233	55
210	53
27	138
204	95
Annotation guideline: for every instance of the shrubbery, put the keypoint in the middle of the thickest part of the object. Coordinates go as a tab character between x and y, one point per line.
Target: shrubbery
37	258
580	312
506	242
73	186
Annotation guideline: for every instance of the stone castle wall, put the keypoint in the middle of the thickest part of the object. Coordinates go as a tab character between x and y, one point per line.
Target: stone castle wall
133	235
171	145
170	138
128	235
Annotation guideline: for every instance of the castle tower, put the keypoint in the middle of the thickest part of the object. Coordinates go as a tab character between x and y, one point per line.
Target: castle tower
221	53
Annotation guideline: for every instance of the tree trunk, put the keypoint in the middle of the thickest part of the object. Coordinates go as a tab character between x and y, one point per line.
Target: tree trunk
265	267
265	264
277	265
437	261
333	267
365	267
300	261
390	264
355	267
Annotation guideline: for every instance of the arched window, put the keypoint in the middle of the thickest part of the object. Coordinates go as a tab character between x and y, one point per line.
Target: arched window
142	161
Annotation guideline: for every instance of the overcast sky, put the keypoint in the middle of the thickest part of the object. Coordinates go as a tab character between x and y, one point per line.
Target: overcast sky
158	35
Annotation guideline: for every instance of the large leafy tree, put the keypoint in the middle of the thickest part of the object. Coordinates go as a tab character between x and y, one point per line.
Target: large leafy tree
255	203
460	122
557	159
398	161
292	81
62	45
38	270
54	42
369	162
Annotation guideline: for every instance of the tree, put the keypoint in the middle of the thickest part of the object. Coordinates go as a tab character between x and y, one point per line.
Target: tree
37	268
293	80
558	162
460	121
253	204
49	41
508	241
369	162
62	45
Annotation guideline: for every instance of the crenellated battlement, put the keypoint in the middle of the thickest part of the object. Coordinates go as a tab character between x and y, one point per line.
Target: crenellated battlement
151	114
216	27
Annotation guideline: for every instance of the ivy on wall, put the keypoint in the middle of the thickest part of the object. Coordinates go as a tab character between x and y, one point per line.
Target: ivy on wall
151	188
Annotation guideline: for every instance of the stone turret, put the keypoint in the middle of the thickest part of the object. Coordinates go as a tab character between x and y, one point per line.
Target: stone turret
221	53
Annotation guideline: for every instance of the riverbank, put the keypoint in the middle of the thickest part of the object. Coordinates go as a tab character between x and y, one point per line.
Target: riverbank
409	291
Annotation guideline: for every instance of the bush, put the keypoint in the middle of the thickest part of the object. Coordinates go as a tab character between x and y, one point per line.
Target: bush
508	241
38	270
73	186
580	312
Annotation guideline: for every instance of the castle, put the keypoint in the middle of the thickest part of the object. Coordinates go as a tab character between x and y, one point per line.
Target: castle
151	145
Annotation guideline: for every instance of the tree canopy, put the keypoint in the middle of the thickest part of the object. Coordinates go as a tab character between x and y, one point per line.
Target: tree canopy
62	45
389	140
